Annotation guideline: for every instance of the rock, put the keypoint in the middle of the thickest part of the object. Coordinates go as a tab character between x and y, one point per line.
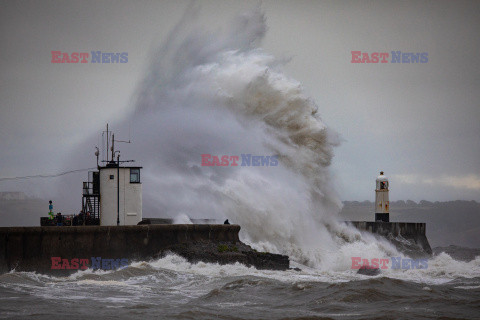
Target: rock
226	252
368	271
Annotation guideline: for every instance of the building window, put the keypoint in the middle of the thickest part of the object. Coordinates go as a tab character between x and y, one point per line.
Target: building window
112	177
134	175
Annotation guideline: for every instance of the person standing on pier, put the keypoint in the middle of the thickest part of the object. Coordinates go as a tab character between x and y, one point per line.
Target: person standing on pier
59	219
50	210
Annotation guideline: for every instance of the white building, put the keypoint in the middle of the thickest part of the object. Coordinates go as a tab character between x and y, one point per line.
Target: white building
120	195
113	196
381	199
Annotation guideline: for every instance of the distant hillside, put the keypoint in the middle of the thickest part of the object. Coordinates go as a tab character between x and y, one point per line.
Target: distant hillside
12	195
16	209
452	222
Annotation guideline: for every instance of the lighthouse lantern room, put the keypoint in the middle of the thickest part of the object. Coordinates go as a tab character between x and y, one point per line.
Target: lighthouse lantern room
381	199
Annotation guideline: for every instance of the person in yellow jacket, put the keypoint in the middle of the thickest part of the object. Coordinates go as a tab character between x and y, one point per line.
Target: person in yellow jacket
50	210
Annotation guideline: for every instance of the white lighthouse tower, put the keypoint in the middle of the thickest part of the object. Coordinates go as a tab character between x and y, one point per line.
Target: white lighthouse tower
381	199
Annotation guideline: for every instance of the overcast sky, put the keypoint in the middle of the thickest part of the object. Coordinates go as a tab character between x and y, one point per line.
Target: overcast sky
420	122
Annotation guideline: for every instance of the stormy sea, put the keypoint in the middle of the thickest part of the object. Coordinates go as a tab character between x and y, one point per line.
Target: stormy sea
172	288
219	93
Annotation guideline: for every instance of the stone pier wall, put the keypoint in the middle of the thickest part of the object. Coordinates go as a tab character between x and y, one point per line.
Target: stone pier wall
31	248
415	233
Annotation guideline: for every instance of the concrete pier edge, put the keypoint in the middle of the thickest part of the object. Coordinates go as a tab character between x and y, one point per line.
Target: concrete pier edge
414	232
31	248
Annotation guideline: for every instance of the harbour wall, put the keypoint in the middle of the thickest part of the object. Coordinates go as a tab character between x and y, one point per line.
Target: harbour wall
396	232
32	248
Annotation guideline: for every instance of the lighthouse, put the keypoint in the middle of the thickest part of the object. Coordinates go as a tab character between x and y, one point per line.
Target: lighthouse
381	199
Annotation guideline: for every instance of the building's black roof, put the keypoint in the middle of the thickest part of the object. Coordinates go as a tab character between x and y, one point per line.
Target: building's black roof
115	165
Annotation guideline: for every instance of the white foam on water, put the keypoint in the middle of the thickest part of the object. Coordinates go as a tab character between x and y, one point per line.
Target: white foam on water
468	287
185	280
103	283
440	272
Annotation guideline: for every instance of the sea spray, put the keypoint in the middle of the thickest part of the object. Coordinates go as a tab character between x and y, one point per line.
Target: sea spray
222	94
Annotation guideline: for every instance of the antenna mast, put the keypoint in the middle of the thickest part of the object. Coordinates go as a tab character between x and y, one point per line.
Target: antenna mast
113	147
107	142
